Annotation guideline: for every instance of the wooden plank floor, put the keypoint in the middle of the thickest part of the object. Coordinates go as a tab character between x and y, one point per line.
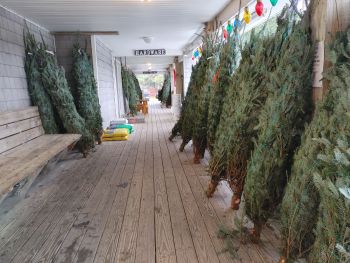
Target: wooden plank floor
135	201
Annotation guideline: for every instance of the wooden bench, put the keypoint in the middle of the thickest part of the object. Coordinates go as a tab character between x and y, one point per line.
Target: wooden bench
25	149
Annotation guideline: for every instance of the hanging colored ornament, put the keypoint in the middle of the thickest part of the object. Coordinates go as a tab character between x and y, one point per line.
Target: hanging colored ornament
247	16
200	50
259	8
229	28
224	32
273	2
192	57
237	22
196	53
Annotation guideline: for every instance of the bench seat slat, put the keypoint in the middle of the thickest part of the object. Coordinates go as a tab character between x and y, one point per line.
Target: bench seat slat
20	126
24	160
18	115
20	138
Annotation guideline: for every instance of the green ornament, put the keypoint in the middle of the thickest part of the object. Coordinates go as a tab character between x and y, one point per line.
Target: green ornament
229	28
273	2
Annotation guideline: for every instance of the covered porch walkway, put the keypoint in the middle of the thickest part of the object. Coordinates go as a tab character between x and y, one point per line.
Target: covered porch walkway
135	201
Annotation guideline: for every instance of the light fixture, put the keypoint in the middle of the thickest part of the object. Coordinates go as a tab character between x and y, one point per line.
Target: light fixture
147	39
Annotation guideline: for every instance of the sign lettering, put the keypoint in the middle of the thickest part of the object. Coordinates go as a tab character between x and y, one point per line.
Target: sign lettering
150	52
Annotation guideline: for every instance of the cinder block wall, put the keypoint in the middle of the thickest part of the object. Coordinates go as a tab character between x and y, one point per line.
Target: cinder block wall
13	83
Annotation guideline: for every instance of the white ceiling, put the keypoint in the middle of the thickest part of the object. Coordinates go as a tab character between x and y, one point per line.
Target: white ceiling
172	23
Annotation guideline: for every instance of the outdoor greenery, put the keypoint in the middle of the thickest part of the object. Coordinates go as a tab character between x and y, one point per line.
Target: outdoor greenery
151	80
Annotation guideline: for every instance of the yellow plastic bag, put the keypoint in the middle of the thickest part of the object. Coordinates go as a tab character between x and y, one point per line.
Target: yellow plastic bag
125	138
115	133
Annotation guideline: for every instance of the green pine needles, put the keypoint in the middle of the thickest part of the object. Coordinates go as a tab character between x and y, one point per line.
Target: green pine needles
184	125
222	80
320	164
131	88
55	83
87	101
36	89
203	82
244	101
281	124
164	94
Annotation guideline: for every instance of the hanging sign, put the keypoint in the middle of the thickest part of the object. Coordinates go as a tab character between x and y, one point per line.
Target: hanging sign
150	72
150	52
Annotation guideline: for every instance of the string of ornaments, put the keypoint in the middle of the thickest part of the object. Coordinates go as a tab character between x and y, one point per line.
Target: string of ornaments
247	17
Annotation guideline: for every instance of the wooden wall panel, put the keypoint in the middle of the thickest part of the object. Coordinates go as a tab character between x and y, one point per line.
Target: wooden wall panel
338	16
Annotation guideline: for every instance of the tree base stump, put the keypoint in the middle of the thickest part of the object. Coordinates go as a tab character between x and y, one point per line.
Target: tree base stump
211	189
255	234
182	147
235	202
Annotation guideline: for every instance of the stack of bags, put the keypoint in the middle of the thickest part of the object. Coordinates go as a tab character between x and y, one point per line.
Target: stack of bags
118	130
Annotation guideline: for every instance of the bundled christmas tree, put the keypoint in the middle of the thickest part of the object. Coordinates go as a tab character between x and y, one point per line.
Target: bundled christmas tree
313	174
131	88
165	92
203	83
36	89
221	82
137	86
86	91
184	126
281	124
242	107
55	83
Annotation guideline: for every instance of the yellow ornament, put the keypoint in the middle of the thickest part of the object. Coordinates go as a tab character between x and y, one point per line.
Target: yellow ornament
247	16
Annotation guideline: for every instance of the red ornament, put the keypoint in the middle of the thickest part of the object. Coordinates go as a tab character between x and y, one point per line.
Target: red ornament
259	8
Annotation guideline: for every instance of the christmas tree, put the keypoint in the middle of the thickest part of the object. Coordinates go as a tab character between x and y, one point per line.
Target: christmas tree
55	83
87	101
131	89
36	89
165	92
242	106
203	83
221	82
281	123
316	171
